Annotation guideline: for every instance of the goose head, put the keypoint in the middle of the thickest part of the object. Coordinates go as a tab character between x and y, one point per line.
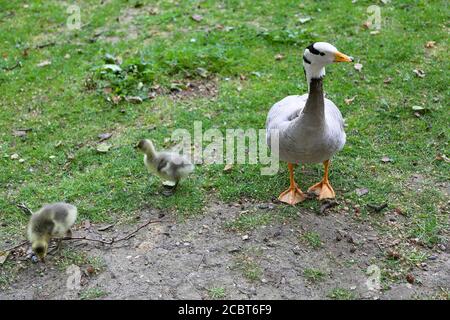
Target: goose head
318	55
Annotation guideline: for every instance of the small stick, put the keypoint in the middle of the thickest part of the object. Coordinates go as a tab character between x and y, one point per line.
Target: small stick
111	241
24	208
18	64
377	208
44	45
16	246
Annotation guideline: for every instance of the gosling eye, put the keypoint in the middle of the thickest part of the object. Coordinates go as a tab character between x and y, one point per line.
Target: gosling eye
322	54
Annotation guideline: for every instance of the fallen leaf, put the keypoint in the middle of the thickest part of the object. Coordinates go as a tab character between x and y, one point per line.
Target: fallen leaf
134	99
15	156
103	147
228	168
112	67
104	136
358	66
361	191
349	100
430	44
197	17
418	108
44	63
90	270
19	133
386	159
443	157
374	32
304	20
116	99
410	278
3	256
387	80
202	72
279	57
419	73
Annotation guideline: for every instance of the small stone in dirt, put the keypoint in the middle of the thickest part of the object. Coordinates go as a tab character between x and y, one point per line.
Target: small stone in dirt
245	237
90	270
442	247
361	191
352	249
432	257
15	156
393	254
410	278
234	250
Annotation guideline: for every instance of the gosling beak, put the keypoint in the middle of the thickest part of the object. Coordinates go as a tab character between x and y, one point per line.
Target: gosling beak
340	57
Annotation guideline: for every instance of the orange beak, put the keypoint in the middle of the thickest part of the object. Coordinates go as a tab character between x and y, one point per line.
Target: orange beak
340	57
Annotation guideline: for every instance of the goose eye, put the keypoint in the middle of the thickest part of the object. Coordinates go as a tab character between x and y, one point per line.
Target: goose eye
322	54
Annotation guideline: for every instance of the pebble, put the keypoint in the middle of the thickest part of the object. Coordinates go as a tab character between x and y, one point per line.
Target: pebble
245	237
441	247
15	156
432	258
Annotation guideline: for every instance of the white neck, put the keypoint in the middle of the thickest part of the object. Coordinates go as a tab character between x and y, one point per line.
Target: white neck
313	71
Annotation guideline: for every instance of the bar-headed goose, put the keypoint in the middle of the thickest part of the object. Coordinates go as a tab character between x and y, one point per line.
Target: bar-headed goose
310	127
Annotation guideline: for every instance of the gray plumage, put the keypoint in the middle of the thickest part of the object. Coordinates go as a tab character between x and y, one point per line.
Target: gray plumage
51	221
310	130
169	166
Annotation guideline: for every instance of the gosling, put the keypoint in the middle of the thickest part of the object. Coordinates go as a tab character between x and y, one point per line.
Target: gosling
169	166
51	221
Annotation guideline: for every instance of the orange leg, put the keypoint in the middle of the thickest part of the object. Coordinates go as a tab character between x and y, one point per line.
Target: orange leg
293	195
323	189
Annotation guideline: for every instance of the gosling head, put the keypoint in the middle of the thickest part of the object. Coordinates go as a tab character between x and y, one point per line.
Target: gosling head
319	54
146	146
40	248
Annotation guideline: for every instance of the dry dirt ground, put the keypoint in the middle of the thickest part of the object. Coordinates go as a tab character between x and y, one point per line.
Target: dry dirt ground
192	259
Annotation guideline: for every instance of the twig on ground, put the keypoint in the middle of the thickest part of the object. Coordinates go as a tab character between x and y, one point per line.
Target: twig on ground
377	208
16	246
24	208
18	64
111	241
114	240
44	45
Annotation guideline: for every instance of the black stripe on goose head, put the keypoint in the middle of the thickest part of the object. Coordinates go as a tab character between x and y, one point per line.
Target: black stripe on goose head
314	50
306	60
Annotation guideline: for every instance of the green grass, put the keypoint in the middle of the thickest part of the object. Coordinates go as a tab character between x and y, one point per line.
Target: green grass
341	294
314	275
65	105
217	293
312	239
69	256
249	267
92	293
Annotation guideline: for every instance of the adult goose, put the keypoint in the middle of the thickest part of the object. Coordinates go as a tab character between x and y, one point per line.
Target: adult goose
309	128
